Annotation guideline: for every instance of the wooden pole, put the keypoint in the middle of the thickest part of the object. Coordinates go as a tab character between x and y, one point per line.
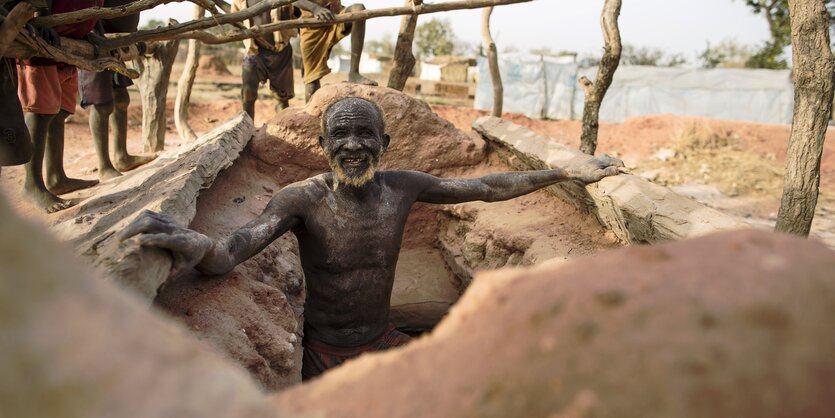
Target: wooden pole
404	58
493	60
594	92
185	85
155	68
812	73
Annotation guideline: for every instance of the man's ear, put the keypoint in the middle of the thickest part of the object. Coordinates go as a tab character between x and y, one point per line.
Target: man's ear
386	140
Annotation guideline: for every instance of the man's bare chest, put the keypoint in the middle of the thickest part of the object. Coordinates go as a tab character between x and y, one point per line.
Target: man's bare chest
351	235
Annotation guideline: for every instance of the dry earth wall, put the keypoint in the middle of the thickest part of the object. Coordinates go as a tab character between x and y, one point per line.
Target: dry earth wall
636	210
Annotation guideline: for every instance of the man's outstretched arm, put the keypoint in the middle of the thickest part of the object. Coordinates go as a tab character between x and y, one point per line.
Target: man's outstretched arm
503	186
192	249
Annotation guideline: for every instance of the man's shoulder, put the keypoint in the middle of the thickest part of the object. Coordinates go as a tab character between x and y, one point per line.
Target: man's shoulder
403	174
312	187
405	178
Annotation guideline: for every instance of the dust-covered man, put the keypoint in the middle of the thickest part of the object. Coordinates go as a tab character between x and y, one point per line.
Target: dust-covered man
349	224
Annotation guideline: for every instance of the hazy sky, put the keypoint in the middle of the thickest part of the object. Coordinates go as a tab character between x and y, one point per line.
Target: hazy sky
680	26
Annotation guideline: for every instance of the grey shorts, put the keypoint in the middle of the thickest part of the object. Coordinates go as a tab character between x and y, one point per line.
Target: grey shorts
277	67
97	88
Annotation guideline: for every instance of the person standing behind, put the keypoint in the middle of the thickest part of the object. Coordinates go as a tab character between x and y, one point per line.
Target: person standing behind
316	43
107	92
267	58
48	90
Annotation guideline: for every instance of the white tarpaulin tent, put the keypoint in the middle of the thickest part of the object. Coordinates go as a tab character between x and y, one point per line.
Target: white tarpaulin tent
551	91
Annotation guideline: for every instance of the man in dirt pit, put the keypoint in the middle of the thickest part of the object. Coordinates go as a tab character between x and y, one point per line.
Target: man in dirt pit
349	224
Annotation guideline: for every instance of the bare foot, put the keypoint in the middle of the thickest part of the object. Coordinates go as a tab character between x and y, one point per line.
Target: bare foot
108	173
67	185
45	200
129	162
361	79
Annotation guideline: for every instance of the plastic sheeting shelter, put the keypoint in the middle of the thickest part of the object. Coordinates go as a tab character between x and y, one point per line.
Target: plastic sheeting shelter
542	88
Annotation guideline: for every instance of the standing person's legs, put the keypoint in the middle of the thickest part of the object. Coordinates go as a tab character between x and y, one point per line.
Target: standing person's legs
39	90
357	31
97	90
56	179
119	128
250	79
316	45
280	69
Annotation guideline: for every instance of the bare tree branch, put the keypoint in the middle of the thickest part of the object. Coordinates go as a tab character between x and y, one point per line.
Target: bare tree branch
81	54
104	12
171	31
209	38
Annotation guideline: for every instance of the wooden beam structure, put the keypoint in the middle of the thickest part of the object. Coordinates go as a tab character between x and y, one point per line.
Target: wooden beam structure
192	30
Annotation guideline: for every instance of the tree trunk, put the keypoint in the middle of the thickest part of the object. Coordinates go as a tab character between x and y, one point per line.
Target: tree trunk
594	92
404	59
493	60
155	69
185	84
813	67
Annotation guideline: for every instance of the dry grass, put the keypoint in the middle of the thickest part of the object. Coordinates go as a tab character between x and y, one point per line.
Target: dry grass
705	156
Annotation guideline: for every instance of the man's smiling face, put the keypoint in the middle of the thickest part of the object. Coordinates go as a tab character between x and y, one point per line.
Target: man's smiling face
353	139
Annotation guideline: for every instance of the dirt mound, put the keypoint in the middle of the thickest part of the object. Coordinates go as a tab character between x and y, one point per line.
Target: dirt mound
420	139
733	324
75	345
213	65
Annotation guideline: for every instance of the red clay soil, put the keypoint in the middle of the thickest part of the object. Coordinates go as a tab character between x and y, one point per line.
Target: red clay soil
733	324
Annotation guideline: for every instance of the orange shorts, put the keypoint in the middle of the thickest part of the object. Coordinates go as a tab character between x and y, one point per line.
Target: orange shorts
47	89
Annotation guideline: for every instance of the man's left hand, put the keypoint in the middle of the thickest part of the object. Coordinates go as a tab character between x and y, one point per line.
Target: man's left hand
595	169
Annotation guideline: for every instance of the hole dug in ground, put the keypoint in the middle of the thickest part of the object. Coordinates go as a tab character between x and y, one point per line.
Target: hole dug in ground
255	313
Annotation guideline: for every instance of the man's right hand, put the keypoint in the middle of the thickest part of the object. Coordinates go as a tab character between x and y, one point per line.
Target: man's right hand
187	247
323	14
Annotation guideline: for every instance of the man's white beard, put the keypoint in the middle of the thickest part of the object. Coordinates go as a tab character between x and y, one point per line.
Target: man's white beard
340	176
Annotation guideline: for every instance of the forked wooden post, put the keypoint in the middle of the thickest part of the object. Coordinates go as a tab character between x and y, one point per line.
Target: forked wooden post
185	84
155	72
404	59
493	61
594	92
